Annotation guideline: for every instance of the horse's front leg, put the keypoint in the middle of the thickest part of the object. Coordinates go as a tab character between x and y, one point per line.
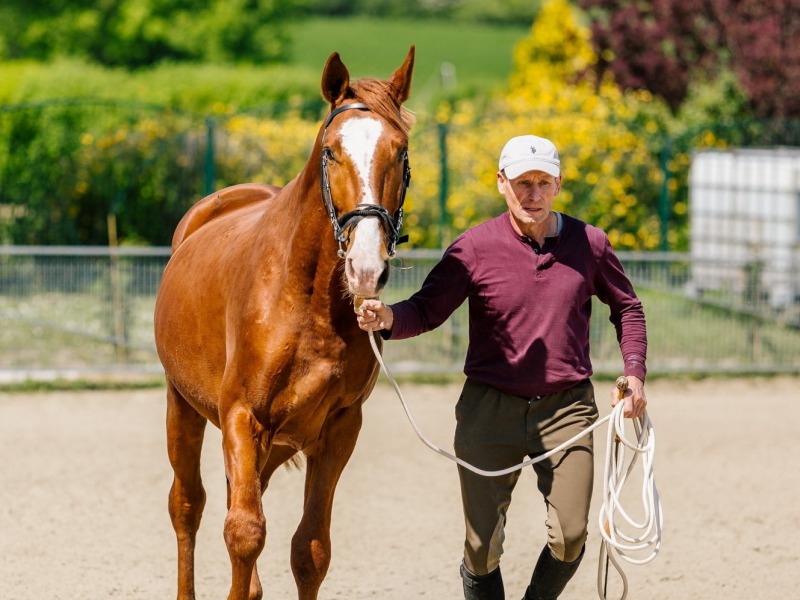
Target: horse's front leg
311	543
245	447
278	455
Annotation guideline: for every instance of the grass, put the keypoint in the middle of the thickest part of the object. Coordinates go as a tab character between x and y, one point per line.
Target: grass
481	54
30	386
684	335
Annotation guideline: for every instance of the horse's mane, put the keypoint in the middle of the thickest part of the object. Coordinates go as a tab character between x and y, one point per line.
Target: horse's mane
376	94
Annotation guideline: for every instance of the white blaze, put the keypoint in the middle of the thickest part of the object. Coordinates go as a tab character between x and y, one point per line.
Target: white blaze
359	140
364	265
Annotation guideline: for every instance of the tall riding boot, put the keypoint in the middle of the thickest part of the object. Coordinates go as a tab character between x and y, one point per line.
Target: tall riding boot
550	576
482	587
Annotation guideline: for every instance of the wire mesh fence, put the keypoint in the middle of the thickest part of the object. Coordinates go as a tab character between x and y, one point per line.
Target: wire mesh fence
90	309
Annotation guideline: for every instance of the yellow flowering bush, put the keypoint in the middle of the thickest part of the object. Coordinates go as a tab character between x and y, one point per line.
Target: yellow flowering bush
257	149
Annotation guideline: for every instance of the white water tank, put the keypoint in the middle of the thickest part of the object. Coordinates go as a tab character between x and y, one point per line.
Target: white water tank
744	216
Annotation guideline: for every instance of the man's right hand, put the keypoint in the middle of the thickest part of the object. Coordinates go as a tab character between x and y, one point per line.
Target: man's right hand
374	314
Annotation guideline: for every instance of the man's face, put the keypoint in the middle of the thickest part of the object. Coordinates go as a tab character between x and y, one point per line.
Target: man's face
529	197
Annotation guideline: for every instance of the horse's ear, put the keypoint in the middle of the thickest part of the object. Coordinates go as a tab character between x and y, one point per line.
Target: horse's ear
401	79
335	79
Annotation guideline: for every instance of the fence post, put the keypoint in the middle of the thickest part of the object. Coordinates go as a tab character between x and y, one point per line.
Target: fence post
443	183
210	174
664	203
120	346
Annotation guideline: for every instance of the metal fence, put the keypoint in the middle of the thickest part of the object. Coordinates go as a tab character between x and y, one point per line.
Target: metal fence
67	311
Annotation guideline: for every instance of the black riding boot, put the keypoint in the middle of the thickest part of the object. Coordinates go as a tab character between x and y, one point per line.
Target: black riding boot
550	576
482	587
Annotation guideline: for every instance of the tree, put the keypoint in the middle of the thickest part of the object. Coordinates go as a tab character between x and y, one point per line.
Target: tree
657	45
664	45
764	38
137	33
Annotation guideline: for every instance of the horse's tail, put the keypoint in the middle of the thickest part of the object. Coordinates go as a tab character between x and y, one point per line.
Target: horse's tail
219	203
296	462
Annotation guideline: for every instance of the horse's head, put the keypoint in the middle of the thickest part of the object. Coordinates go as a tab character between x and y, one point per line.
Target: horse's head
364	169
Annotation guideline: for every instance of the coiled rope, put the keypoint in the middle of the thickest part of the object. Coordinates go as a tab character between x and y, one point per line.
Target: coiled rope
626	546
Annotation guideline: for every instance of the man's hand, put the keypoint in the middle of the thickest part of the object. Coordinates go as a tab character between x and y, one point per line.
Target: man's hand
374	314
634	398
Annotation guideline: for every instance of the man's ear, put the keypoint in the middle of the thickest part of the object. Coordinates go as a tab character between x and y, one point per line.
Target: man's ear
501	179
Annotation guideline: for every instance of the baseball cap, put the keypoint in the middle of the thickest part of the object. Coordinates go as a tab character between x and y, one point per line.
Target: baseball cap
529	153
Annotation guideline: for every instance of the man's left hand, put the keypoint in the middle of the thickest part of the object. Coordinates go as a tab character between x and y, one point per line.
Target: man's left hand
634	398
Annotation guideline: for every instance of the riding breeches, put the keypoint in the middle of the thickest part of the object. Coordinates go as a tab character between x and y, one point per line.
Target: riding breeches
494	431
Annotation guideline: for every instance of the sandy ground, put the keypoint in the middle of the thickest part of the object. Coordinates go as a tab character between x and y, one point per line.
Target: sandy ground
84	481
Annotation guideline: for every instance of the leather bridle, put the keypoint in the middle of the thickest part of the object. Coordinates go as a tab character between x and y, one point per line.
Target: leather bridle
344	224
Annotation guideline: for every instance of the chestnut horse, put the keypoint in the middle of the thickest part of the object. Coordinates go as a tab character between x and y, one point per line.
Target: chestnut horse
255	328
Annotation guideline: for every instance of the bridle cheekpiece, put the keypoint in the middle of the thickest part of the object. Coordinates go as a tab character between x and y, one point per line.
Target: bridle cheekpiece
344	224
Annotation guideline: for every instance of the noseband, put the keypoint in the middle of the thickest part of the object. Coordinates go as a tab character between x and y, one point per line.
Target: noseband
344	225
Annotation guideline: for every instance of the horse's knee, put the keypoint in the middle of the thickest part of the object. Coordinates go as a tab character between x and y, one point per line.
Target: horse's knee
310	560
245	534
186	506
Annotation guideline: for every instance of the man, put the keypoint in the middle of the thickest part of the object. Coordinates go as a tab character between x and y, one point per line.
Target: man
529	276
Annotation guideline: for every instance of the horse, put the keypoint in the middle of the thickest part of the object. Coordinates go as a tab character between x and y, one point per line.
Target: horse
255	326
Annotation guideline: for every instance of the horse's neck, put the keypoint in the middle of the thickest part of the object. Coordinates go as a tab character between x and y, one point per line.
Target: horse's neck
298	233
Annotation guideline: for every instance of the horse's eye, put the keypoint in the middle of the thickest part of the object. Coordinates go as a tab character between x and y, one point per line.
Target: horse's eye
327	154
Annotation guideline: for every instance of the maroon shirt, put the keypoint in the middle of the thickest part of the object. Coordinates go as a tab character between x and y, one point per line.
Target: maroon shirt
529	307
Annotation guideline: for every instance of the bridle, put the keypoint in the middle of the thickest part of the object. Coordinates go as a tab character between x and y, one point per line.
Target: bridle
344	225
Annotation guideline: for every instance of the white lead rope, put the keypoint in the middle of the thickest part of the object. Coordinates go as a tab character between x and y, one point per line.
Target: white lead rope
643	545
614	479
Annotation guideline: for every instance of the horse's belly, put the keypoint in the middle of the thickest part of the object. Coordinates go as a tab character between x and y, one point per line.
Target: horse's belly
189	324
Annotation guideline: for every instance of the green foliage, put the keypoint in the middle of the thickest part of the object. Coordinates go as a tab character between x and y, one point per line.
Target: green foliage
709	101
137	33
509	12
69	166
140	147
37	164
481	55
202	88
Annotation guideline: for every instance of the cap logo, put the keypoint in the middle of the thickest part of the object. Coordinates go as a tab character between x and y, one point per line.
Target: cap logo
533	149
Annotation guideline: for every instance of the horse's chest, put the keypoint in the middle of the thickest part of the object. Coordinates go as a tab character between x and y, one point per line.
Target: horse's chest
331	377
300	410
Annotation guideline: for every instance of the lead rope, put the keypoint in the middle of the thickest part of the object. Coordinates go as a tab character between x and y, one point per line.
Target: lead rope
643	545
614	479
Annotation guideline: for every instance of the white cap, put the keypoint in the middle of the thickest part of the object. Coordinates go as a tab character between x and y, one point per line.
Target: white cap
529	153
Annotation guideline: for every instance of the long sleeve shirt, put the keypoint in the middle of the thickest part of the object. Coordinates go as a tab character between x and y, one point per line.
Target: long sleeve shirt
529	307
